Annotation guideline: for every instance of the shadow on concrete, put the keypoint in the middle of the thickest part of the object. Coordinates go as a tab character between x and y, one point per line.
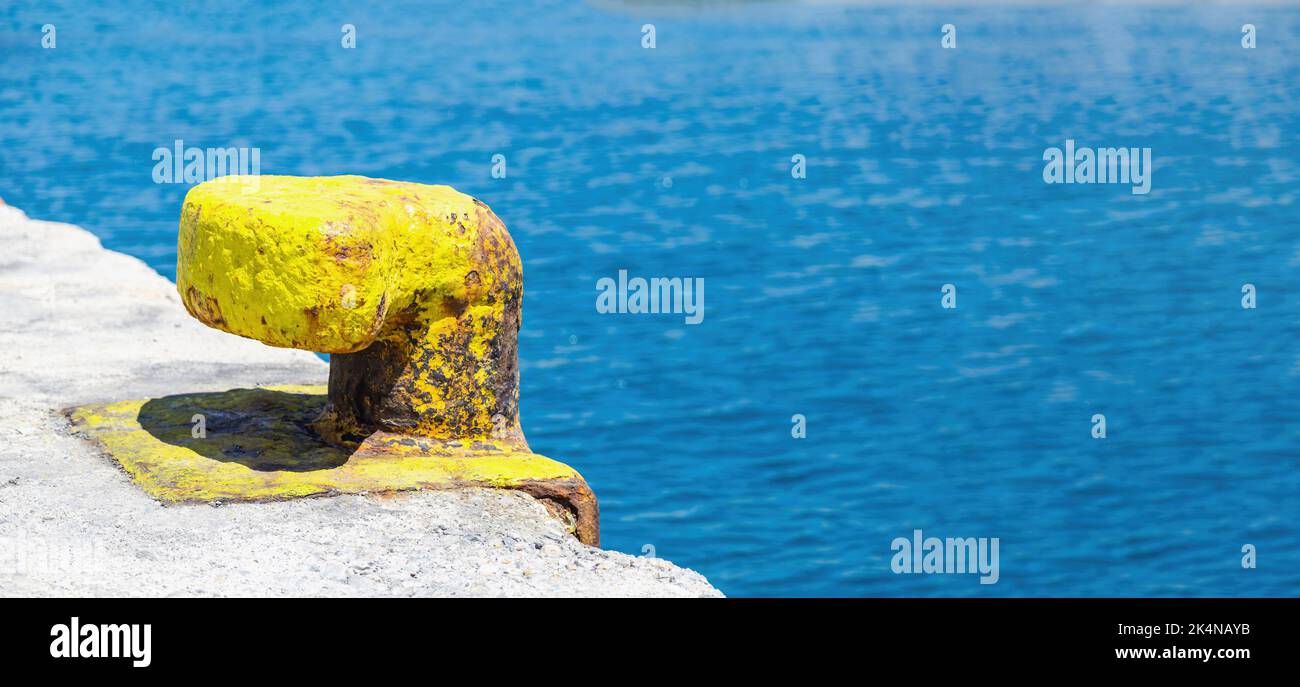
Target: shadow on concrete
263	429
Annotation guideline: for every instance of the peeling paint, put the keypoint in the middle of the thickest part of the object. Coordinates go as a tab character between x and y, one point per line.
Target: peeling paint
416	291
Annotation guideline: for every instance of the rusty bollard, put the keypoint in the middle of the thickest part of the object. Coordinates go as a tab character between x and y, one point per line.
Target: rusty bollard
415	292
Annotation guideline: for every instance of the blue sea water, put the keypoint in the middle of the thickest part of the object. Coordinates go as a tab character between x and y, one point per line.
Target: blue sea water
924	167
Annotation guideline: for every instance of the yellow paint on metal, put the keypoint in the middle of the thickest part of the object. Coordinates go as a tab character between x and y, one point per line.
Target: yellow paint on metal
259	447
335	264
318	262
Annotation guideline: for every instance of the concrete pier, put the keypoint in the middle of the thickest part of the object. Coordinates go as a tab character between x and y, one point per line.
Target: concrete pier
80	324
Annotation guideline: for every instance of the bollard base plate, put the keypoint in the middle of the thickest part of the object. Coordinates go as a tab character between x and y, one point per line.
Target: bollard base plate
258	445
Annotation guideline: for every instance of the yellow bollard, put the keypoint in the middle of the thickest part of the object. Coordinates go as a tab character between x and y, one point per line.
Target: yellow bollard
414	290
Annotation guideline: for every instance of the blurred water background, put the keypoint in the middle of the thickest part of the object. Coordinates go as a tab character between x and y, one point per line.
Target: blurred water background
822	294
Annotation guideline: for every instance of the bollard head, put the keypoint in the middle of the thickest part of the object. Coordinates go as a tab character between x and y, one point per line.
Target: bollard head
332	264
